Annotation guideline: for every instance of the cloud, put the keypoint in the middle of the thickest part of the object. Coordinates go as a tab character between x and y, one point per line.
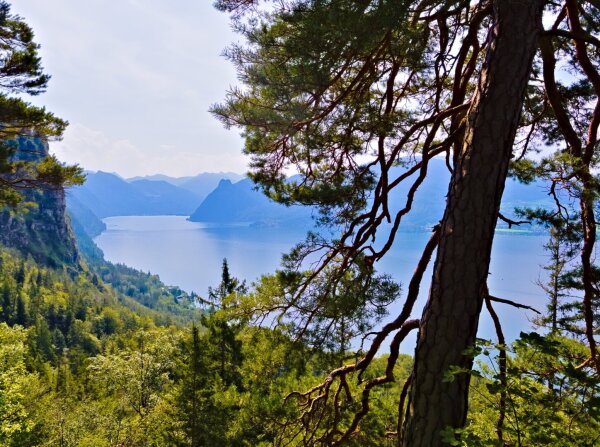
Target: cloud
95	151
137	77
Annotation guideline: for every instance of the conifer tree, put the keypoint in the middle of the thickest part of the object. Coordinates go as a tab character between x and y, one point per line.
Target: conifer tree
21	314
222	330
193	385
210	367
357	97
42	347
193	407
7	303
20	275
21	73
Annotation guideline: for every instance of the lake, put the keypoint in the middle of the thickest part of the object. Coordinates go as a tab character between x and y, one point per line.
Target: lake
189	255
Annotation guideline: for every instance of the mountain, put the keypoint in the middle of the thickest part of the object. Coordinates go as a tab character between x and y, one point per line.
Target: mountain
160	177
168	199
240	202
83	219
228	201
201	185
108	195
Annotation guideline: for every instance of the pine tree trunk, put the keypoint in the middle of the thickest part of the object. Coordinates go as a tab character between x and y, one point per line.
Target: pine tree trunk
450	319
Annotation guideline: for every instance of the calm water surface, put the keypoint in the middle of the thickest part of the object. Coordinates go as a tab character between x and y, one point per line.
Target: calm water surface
189	254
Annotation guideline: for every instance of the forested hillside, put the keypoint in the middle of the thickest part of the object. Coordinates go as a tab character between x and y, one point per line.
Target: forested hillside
95	354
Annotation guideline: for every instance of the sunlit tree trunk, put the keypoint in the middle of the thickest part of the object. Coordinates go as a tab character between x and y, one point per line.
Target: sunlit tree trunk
450	319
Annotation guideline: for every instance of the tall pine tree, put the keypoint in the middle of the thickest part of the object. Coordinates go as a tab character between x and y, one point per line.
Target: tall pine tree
357	97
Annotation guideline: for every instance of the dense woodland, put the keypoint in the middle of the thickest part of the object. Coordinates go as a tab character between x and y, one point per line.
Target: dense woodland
96	354
83	364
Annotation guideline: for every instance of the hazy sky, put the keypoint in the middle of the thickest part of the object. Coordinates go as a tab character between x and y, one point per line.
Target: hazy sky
135	79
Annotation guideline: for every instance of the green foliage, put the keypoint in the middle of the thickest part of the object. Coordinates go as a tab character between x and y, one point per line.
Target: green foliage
524	170
333	306
87	371
21	69
200	410
314	72
74	329
553	396
18	388
222	330
565	282
21	73
25	166
172	303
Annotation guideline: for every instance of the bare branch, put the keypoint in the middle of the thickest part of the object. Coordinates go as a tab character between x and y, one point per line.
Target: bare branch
512	303
511	222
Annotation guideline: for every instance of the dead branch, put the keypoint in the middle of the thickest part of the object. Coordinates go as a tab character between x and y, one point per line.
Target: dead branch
511	222
512	303
502	364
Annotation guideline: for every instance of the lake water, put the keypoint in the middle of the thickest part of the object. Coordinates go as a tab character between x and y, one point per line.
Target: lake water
189	255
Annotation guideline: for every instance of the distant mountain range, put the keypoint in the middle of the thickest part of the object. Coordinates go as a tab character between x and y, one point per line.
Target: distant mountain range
210	197
241	202
201	185
107	194
430	200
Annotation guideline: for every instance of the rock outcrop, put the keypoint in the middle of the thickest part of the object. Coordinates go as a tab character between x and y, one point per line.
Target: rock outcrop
43	230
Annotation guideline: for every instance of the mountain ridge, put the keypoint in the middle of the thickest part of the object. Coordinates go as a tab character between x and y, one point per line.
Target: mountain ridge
241	202
232	201
107	194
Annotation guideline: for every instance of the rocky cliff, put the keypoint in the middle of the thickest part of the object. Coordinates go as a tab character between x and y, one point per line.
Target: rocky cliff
43	230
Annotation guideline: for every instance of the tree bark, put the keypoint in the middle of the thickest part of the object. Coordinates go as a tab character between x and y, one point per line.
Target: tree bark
450	318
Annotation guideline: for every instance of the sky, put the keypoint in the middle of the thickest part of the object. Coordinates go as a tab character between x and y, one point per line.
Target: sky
135	80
